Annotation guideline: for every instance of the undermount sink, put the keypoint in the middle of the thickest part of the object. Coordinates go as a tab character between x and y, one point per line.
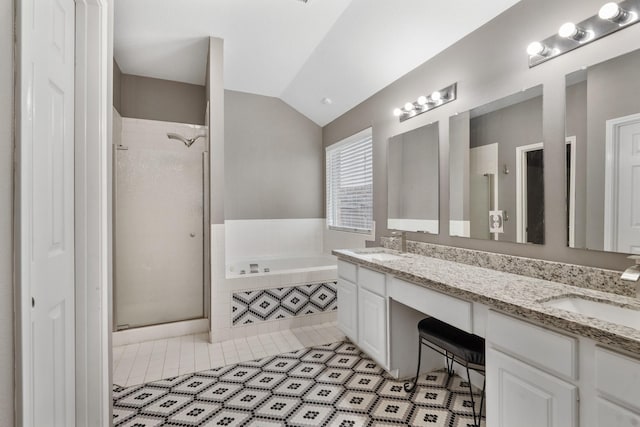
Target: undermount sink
380	257
598	309
376	255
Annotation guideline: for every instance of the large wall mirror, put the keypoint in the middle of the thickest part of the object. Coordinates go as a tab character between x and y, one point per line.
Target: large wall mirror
496	170
413	180
603	155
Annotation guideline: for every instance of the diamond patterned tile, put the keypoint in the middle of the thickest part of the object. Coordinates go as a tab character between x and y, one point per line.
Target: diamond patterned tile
431	417
334	376
195	414
240	374
220	392
329	385
295	387
167	405
357	401
266	380
194	385
248	399
323	393
278	407
281	364
310	416
392	410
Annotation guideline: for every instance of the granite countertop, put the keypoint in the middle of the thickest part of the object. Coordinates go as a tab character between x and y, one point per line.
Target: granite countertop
514	294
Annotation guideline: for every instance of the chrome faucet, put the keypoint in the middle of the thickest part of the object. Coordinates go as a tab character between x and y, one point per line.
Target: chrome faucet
632	273
403	239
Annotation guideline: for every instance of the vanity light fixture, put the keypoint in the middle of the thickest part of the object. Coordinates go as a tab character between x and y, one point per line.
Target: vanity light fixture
569	30
427	103
610	18
614	13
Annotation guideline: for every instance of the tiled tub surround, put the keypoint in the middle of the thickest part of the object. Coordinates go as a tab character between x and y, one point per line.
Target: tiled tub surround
510	293
255	306
576	275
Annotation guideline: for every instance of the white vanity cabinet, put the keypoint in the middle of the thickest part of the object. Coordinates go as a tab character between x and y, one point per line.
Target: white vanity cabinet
529	372
372	314
348	299
362	309
618	389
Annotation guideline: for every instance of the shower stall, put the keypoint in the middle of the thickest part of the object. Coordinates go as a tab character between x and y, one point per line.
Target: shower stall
161	247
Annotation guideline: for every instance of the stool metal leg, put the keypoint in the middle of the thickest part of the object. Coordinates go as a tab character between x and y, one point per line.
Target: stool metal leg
450	371
477	419
408	386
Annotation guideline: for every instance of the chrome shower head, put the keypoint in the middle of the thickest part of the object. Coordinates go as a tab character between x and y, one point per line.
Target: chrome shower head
187	141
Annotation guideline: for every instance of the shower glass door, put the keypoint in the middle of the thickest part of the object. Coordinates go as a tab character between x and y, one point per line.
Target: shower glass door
158	240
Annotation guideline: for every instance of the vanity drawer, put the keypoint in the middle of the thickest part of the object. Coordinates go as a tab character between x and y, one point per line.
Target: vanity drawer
618	376
451	310
372	280
549	350
348	271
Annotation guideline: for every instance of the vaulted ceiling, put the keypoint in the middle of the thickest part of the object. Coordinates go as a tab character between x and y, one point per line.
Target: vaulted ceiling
344	50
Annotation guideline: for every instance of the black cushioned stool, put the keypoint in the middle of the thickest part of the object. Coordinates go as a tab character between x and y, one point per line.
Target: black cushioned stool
455	345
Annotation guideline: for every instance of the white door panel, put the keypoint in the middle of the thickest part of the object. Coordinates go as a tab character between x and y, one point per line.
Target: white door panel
47	204
629	189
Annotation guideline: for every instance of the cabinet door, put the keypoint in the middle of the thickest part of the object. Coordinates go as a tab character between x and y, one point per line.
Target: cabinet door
521	395
348	309
372	333
610	415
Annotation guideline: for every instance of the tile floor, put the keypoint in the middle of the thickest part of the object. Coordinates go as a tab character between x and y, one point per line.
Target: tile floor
330	385
150	361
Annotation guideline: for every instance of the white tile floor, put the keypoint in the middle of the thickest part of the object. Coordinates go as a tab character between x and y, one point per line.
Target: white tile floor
140	363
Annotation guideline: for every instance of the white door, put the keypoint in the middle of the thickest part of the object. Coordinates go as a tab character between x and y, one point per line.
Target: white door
628	197
47	212
348	309
372	331
521	395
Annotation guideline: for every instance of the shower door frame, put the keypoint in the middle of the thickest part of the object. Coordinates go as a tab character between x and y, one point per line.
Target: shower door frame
206	236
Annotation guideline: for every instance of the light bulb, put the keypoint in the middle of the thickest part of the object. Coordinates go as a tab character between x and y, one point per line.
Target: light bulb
436	96
409	106
568	30
609	11
422	100
397	112
535	48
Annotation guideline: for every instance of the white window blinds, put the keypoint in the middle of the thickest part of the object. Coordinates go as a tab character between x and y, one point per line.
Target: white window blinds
350	183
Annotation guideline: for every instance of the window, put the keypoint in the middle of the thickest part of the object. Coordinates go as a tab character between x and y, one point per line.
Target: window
350	184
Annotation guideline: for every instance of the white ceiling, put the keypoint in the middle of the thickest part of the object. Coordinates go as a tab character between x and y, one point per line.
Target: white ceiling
345	50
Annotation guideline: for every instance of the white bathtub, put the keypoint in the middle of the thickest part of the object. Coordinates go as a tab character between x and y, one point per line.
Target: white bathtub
280	265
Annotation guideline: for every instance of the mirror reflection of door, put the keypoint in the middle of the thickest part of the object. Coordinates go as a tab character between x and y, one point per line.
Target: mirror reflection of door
622	185
534	225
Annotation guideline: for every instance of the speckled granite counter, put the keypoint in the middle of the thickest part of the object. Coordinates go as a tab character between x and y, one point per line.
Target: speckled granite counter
510	293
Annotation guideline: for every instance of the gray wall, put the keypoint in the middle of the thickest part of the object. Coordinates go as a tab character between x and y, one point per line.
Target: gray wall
273	160
613	90
459	154
413	193
155	99
6	213
511	127
577	126
489	64
216	122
